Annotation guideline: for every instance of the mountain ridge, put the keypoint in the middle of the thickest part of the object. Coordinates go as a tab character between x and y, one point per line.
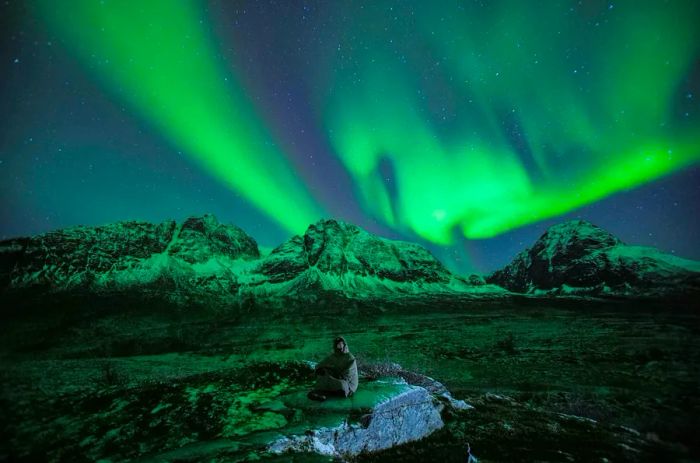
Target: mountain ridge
201	258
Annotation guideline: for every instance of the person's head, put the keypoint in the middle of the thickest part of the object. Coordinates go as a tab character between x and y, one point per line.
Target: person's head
340	346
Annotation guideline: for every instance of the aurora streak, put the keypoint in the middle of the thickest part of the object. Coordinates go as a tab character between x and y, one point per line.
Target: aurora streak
589	131
158	56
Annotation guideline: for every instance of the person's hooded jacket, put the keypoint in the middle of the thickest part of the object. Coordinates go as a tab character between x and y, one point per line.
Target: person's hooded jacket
341	365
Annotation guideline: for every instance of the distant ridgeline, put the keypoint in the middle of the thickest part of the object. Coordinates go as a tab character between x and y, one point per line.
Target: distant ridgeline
202	260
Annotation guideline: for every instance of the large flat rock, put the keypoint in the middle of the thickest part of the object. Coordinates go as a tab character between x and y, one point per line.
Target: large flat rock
383	413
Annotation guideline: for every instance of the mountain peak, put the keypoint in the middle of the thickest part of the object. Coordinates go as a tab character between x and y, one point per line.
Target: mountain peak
329	222
106	256
582	228
343	250
329	236
579	256
200	237
573	239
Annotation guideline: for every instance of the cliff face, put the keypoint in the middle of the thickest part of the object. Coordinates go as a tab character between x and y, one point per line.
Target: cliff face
579	257
204	258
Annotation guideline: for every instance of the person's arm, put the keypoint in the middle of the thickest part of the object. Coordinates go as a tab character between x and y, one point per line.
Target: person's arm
321	367
354	379
350	371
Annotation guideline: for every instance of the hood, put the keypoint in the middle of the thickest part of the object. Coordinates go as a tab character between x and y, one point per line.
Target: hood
340	338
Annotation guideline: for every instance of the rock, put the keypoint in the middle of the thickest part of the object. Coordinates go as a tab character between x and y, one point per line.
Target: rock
399	413
578	257
393	410
396	413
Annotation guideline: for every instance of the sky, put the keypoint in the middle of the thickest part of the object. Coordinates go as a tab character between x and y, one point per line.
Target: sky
468	127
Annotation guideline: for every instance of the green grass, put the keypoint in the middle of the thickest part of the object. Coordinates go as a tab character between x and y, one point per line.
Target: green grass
631	366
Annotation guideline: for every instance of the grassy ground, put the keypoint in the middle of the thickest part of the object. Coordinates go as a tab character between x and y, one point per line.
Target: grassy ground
623	366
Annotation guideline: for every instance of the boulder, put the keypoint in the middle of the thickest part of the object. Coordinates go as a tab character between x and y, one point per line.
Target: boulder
384	413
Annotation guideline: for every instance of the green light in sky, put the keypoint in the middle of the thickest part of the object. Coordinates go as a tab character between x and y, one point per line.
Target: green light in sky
592	92
430	88
158	56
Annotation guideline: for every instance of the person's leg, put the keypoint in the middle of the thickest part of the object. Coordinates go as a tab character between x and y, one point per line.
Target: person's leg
323	387
331	384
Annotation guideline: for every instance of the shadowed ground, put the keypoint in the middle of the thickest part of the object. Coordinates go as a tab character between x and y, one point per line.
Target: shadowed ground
581	381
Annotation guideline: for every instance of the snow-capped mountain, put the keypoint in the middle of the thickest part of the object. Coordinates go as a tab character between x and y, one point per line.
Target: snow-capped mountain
578	257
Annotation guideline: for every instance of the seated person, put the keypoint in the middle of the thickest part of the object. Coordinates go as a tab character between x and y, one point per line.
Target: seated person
336	374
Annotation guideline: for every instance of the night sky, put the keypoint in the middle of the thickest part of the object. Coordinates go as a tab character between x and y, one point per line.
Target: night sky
468	127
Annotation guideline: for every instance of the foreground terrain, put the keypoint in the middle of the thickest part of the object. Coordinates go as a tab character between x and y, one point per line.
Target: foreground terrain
549	380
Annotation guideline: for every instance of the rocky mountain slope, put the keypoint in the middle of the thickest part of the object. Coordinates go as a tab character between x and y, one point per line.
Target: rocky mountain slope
578	257
166	257
337	256
202	258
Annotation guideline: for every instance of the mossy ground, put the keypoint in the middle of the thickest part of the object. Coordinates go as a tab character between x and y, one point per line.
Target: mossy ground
120	386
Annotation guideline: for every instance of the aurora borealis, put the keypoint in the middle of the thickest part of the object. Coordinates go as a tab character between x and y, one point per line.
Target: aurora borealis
167	70
585	137
465	126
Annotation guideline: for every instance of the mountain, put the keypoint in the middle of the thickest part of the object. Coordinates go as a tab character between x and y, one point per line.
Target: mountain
202	259
336	256
165	257
578	257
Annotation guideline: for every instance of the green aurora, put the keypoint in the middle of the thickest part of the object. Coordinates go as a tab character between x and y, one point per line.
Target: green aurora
158	56
491	117
590	131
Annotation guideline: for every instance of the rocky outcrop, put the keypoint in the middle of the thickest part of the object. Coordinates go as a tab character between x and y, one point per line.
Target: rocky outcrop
503	428
200	238
386	412
578	257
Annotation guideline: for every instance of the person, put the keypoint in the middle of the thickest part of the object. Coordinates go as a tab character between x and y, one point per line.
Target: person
336	374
